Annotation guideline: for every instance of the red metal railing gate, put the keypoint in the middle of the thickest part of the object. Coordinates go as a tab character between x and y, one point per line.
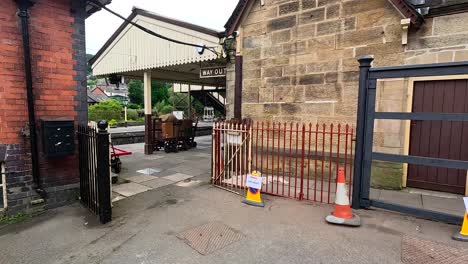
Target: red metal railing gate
296	161
232	155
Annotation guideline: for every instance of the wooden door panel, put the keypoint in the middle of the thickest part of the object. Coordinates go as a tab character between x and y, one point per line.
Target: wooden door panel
439	139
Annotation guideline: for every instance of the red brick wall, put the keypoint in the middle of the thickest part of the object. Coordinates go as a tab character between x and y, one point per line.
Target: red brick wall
55	82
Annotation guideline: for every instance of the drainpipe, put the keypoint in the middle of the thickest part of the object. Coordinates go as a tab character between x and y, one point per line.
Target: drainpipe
23	6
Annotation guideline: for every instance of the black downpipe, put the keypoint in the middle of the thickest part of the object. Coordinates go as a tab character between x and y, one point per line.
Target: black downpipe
23	6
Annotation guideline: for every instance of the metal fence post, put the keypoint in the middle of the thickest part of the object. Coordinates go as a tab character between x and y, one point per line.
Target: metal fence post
103	173
364	66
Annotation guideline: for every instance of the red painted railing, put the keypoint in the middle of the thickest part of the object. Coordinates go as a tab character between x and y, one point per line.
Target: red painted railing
298	161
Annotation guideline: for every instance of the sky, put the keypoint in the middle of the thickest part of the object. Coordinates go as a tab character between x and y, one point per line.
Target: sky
208	13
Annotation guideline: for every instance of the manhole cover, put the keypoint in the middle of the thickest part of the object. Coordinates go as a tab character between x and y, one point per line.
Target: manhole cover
210	237
418	251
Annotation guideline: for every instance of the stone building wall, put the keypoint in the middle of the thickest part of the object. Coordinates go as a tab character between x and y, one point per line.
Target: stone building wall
300	61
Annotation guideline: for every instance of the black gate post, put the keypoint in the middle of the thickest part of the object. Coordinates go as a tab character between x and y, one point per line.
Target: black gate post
364	67
103	173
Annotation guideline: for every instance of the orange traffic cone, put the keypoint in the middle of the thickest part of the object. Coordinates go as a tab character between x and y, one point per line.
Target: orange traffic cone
342	214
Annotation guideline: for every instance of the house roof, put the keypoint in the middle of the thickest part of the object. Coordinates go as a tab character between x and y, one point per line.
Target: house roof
91	9
94	97
411	9
138	11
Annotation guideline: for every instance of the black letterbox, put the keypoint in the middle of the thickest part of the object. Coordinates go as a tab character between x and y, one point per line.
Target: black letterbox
58	138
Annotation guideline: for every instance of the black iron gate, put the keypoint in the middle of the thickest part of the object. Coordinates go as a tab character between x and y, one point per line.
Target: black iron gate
365	133
95	185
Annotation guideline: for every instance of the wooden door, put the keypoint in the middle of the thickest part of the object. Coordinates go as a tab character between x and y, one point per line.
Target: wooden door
439	139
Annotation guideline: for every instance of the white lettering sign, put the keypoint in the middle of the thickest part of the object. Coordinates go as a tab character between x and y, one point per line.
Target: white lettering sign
234	138
213	72
254	182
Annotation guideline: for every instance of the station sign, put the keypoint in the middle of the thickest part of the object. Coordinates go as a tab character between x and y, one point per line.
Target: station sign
214	72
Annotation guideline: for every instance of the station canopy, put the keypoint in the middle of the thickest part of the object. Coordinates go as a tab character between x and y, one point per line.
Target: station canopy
130	51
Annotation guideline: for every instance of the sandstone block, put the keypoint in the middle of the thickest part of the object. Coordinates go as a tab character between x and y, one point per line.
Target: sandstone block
312	16
305	31
271	109
451	24
265	95
331	77
283	94
312	79
278	81
326	66
291	109
321	43
273	72
445	56
327	2
289	8
461	55
280	37
250	95
293	70
295	48
359	6
351	76
380	16
437	41
361	37
252	74
306	4
252	54
318	108
281	23
270	52
333	11
328	92
329	27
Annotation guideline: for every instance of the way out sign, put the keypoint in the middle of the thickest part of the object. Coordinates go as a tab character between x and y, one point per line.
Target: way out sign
212	72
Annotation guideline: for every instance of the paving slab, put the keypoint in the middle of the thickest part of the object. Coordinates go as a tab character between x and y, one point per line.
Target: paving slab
156	183
178	177
445	205
403	198
139	178
149	171
130	189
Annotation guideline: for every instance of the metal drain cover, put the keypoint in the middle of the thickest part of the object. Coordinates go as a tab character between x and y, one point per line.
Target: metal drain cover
418	251
210	237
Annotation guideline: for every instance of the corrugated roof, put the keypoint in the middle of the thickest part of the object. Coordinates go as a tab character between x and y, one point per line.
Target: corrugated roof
130	49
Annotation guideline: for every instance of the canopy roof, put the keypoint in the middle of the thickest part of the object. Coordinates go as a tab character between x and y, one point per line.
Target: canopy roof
130	51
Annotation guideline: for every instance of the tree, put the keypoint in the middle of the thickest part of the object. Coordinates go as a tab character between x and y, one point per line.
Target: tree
159	92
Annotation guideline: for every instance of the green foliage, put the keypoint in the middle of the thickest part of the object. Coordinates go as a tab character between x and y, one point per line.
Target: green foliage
162	108
91	83
20	217
132	114
134	106
88	69
112	122
135	92
159	92
106	110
